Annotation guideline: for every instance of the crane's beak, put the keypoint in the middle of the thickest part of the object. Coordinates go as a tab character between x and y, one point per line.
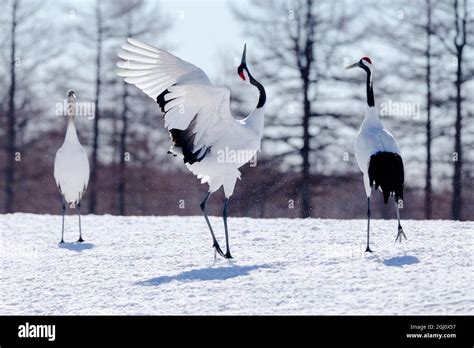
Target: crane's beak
244	59
355	65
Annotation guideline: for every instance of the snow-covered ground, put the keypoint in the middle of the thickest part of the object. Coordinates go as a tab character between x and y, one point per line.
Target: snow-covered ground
165	265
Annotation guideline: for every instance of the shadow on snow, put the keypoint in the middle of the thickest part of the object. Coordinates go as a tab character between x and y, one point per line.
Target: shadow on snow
210	273
76	246
400	261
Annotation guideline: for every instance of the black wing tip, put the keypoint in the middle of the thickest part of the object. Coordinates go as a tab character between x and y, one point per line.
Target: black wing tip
161	100
185	140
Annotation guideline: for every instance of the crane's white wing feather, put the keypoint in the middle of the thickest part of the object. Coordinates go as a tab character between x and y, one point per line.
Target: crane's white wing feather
371	140
153	70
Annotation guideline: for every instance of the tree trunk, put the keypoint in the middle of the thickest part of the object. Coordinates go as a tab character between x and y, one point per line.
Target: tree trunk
123	150
123	135
456	203
305	69
11	135
459	43
95	146
305	178
428	188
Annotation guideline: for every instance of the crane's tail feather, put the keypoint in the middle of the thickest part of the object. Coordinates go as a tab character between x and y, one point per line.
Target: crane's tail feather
386	171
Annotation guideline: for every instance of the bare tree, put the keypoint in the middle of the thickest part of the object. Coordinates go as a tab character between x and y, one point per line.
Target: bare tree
99	38
139	18
24	59
113	22
457	28
11	132
461	16
428	52
301	41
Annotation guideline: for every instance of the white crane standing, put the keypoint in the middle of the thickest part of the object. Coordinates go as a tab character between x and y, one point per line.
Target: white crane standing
378	155
71	166
212	143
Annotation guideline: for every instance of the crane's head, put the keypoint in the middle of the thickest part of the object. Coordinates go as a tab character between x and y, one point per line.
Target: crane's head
71	95
242	70
245	75
71	101
364	63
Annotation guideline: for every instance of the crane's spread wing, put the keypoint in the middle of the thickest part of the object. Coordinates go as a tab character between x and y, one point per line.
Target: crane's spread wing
153	70
196	113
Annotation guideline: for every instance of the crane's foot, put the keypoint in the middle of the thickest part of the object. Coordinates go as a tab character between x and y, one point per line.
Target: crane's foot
228	255
62	241
80	240
400	235
368	250
217	249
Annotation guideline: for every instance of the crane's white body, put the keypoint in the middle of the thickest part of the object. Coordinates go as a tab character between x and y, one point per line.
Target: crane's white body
71	166
192	101
232	144
372	138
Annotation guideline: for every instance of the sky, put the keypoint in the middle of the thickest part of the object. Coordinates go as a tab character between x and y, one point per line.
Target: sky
203	31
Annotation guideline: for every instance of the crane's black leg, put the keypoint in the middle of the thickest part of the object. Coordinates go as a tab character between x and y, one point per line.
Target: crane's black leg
224	215
62	230
204	210
400	234
80	240
368	225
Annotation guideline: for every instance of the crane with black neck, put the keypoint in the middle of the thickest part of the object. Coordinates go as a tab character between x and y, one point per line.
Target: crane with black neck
378	155
211	142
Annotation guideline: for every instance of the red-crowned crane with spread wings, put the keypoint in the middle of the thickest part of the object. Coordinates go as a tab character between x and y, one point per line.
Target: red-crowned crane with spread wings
212	143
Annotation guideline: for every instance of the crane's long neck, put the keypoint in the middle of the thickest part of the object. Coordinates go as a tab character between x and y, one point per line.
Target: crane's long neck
370	87
371	119
263	96
71	132
255	119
